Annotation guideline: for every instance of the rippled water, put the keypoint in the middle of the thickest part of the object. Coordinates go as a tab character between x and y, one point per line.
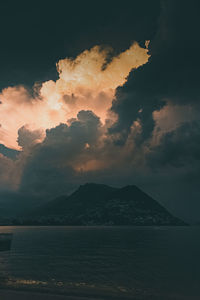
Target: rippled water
111	262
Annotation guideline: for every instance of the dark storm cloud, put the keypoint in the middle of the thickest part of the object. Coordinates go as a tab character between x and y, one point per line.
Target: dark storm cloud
27	137
178	148
171	73
7	152
36	34
171	77
50	165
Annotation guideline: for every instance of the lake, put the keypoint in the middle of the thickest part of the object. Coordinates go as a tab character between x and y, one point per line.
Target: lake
104	262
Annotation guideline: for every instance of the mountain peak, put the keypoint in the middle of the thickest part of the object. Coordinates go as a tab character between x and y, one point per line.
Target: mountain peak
93	188
100	204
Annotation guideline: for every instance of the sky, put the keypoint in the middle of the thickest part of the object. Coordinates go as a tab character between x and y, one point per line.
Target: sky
101	92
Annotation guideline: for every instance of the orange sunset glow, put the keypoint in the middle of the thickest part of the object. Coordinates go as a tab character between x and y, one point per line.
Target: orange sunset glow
84	84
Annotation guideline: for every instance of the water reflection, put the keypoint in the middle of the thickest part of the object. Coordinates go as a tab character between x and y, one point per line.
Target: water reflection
5	242
113	262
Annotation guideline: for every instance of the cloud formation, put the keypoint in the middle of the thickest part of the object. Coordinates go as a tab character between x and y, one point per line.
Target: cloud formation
86	82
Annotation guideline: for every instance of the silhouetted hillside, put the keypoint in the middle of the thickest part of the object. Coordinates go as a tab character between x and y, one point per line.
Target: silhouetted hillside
96	204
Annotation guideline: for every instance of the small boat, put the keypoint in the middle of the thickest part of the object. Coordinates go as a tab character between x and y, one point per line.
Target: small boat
5	241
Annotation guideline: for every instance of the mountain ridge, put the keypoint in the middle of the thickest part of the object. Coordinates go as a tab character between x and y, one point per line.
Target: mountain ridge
100	204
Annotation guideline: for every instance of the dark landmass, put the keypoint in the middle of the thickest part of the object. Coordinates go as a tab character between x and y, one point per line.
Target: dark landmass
98	204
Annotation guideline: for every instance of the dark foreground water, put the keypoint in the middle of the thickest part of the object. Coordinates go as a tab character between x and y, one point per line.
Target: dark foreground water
104	262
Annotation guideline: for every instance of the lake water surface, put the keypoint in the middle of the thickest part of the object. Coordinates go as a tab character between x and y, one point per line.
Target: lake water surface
104	262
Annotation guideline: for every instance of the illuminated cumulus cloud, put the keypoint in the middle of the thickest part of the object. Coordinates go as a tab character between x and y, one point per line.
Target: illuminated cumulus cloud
87	82
87	70
18	108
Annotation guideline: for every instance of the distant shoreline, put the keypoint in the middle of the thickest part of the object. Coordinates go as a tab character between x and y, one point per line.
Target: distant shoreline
24	295
109	226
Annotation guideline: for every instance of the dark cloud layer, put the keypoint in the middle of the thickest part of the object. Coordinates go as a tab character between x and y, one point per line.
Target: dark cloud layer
35	35
49	168
178	148
171	73
170	76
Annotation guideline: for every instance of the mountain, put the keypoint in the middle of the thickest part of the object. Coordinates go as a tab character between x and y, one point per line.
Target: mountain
97	204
